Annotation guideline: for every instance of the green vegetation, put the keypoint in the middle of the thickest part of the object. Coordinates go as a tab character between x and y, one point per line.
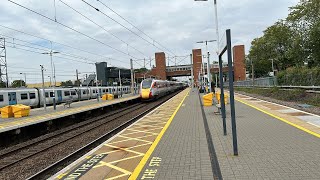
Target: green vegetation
299	96
292	42
18	83
67	83
299	76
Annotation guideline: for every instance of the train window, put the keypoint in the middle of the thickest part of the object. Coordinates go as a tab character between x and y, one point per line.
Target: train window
146	84
51	94
32	95
9	96
84	92
66	93
104	90
94	91
24	96
47	94
1	98
73	93
107	90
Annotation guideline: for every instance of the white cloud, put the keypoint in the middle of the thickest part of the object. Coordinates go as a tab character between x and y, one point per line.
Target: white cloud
177	24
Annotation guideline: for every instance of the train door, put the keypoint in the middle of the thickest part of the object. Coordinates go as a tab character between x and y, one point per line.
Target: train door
100	92
12	98
59	93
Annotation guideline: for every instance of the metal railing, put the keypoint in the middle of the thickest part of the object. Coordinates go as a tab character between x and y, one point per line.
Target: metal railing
260	82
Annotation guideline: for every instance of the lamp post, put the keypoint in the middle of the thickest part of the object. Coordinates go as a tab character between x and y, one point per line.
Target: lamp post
217	25
53	75
25	79
50	79
208	62
43	90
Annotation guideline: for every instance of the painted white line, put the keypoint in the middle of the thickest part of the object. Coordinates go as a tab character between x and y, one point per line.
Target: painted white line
313	124
282	105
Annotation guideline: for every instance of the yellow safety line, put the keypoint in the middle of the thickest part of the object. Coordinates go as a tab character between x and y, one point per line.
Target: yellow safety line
137	131
281	119
124	159
129	139
124	149
119	176
102	163
144	160
109	152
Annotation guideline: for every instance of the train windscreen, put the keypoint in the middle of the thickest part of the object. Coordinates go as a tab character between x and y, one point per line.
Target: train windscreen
146	84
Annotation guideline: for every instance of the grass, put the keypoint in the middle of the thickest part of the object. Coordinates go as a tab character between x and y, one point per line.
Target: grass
299	96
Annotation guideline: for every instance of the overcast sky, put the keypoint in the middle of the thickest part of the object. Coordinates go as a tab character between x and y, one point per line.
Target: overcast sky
175	24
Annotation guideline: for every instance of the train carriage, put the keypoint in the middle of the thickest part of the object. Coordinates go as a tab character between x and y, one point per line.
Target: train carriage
152	89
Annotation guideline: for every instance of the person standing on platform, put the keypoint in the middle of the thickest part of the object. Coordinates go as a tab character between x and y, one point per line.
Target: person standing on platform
212	87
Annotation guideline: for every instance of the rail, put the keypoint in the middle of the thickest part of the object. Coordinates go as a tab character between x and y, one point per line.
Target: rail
50	170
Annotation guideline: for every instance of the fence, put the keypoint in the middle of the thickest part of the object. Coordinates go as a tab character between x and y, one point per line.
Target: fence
261	82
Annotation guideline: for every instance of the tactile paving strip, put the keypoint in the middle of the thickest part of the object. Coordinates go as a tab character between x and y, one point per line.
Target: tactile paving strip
118	158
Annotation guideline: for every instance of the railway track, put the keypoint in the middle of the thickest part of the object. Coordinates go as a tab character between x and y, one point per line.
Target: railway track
18	156
19	153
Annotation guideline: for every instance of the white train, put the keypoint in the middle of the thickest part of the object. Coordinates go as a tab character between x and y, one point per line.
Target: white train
153	89
34	97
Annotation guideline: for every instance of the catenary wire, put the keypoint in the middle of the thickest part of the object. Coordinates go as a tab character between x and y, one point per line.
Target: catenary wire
134	26
70	28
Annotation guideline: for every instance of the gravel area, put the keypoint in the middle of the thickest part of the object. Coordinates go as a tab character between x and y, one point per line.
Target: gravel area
313	109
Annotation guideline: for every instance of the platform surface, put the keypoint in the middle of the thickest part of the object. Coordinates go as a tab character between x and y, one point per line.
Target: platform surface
183	149
121	156
269	148
38	115
171	143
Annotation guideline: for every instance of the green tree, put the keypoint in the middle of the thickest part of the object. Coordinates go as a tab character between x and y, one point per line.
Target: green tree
67	83
17	83
141	70
2	84
304	18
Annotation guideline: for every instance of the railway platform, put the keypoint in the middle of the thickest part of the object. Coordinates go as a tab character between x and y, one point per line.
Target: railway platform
39	115
181	139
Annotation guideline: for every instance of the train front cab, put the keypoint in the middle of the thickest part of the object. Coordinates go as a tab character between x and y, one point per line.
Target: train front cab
146	93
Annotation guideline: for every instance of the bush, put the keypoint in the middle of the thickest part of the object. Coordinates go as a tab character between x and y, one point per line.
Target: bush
299	76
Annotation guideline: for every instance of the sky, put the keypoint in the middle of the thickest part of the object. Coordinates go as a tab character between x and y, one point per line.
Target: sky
80	35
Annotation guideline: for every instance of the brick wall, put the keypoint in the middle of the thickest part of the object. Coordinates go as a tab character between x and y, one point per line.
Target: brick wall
197	59
160	70
239	63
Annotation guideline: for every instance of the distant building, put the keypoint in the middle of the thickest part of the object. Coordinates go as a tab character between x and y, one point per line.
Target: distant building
108	75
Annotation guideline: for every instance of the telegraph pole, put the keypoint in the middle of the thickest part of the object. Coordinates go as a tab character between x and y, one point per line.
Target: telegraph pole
208	73
252	68
192	78
150	63
3	62
78	84
120	82
44	93
132	78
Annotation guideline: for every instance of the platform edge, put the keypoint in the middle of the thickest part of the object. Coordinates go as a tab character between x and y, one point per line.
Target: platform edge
282	119
144	160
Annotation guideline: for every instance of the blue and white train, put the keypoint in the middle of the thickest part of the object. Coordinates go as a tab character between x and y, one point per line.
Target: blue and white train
34	97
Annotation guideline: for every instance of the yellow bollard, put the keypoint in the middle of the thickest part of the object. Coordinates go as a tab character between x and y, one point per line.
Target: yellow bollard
207	99
6	112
